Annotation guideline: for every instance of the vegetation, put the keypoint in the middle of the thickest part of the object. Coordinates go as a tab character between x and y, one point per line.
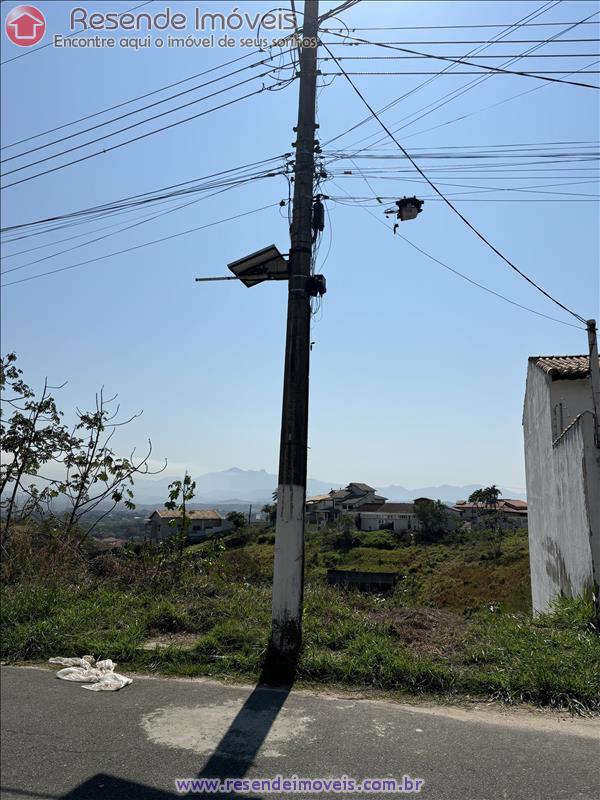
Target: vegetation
236	518
457	623
69	478
180	494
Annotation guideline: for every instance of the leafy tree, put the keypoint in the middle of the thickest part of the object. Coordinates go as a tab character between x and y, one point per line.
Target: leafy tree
237	518
487	497
434	519
270	511
33	436
180	494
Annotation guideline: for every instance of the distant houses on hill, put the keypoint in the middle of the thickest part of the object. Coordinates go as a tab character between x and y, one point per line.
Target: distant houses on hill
203	523
372	512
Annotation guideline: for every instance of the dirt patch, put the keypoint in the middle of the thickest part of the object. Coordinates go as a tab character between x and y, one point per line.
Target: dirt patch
184	641
431	631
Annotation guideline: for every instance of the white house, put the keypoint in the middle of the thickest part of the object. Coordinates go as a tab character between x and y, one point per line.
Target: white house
562	463
394	516
203	522
325	508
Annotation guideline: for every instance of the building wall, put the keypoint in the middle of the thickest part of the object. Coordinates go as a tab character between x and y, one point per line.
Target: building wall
568	398
374	521
199	528
559	492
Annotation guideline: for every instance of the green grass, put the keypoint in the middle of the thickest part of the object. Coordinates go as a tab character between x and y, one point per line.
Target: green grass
434	634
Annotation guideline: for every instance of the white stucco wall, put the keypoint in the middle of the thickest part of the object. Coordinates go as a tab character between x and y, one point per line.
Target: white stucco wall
374	521
562	501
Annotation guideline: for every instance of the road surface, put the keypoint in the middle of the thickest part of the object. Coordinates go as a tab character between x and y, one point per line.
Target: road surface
60	741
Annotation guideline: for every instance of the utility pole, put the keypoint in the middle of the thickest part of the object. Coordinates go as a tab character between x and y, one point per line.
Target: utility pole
594	376
288	573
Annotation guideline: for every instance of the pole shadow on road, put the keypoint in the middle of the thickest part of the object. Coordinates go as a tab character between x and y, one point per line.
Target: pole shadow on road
232	757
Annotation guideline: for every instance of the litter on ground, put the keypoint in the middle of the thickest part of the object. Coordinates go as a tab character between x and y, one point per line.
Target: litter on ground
98	676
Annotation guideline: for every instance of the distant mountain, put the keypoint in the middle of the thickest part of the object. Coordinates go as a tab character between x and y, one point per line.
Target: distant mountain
231	486
445	492
240	486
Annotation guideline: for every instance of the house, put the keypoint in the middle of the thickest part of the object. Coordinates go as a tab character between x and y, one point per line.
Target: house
562	464
203	522
326	508
393	516
511	513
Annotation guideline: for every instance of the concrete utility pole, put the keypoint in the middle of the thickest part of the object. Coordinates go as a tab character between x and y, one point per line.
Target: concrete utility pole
288	574
594	375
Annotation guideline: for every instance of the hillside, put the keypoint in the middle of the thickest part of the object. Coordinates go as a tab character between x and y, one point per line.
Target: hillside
458	622
235	486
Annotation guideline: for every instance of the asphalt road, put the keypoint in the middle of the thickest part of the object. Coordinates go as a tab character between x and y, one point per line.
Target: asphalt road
60	741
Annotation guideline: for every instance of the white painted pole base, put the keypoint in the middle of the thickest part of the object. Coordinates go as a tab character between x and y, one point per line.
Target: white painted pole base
288	571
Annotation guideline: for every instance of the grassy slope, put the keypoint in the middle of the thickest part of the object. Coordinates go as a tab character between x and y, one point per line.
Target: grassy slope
398	643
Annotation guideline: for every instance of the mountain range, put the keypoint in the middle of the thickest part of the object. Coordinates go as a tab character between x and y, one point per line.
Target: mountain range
237	485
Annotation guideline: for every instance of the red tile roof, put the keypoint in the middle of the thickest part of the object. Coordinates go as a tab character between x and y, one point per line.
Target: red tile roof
204	513
563	366
390	508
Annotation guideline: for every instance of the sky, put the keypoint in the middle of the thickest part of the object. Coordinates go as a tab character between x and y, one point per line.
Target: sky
417	377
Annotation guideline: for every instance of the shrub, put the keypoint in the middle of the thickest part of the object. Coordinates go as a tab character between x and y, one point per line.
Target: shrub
380	540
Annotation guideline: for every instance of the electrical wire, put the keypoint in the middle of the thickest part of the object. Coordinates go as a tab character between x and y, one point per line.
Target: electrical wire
128	127
448	27
453	207
135	111
134	224
540	75
440	102
139	198
140	246
498	38
136	138
467	278
499	70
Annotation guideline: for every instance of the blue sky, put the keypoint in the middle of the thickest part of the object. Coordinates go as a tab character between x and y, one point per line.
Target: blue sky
417	377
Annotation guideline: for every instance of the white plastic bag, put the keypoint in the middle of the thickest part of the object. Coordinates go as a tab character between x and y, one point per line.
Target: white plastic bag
99	676
109	682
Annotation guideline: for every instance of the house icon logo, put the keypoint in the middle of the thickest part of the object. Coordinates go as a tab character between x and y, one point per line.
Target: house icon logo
25	26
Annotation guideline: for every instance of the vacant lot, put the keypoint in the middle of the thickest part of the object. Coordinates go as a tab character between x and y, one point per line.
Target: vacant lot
457	624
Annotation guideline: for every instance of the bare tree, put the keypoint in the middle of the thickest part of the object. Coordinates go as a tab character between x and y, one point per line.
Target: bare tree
96	478
90	478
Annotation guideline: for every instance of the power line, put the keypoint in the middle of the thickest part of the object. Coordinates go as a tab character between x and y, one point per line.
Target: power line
437	104
139	246
136	138
487	108
426	55
448	27
499	70
452	206
541	75
133	125
364	42
137	223
139	110
127	102
467	278
137	199
474	51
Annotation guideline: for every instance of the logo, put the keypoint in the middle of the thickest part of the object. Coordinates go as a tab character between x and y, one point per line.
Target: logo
25	26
